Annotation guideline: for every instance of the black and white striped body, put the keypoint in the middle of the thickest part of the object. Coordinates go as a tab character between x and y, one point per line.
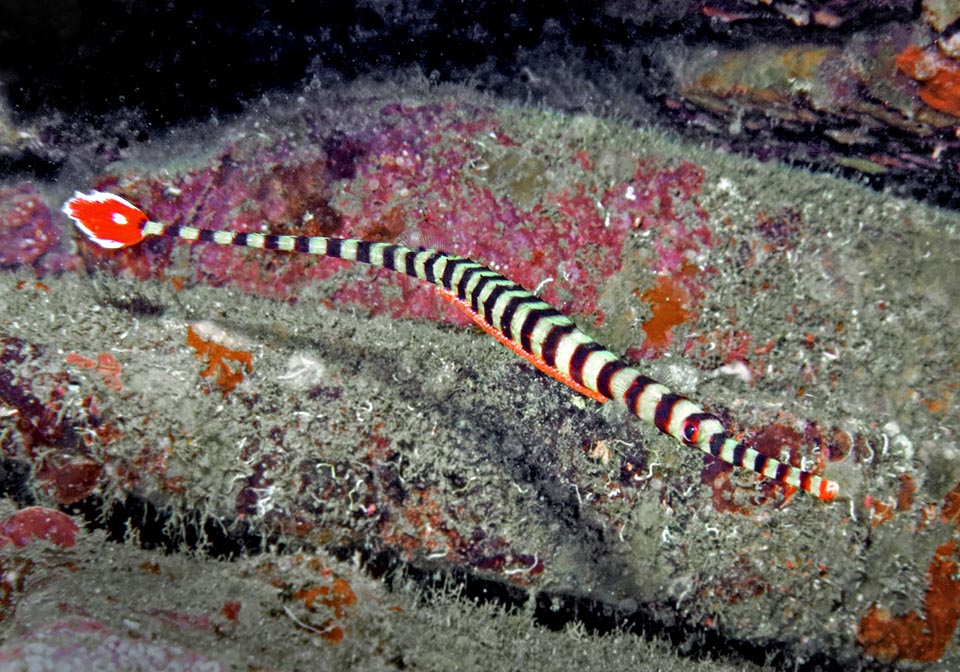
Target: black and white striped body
540	331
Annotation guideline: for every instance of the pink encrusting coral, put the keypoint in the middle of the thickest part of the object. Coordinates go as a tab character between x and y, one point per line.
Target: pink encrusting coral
568	244
30	234
86	644
37	522
414	177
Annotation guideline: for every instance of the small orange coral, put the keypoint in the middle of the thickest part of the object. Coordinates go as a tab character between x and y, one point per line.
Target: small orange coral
337	597
914	636
217	356
920	636
106	365
938	75
669	303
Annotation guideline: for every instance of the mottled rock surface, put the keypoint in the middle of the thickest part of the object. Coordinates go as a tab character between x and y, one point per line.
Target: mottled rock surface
307	407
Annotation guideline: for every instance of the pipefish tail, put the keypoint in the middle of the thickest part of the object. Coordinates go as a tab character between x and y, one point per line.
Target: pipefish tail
517	318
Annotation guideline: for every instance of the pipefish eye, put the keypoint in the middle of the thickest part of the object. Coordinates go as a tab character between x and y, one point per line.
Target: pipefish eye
690	431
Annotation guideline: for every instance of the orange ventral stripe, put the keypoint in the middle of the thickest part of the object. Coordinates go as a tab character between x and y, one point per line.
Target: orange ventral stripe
530	357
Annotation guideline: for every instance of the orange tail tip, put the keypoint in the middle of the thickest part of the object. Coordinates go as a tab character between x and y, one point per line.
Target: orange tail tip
107	220
828	490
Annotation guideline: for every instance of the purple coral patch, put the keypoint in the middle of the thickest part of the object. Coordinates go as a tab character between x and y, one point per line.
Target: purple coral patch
28	235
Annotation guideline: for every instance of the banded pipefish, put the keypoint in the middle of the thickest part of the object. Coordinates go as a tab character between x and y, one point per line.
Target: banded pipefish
514	316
